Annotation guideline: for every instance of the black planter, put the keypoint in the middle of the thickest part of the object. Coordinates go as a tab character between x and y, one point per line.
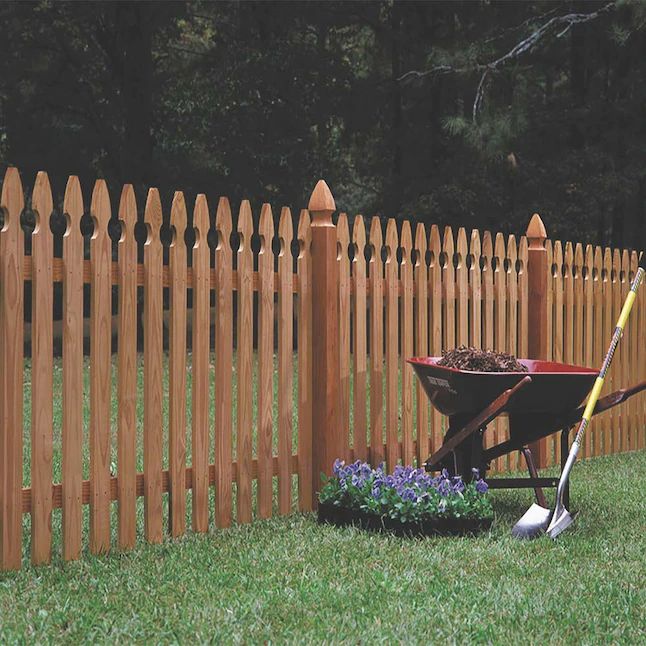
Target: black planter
342	517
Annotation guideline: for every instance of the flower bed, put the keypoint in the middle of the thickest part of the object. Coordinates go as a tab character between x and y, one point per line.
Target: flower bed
407	502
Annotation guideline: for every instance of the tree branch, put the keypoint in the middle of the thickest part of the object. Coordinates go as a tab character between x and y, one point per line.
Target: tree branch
557	26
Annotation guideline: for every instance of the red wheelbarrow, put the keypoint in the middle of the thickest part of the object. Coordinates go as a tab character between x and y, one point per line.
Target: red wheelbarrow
544	400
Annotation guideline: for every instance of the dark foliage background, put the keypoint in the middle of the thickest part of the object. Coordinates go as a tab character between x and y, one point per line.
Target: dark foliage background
259	99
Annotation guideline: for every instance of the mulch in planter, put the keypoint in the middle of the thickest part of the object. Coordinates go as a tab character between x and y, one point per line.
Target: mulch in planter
343	517
476	360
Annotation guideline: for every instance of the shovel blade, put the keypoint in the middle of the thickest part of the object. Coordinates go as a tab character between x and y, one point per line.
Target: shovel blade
533	523
560	523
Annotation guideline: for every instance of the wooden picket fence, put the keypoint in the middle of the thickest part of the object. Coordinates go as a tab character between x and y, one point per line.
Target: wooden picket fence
336	323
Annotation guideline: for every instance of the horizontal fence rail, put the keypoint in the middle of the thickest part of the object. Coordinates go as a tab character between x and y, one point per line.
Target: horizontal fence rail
241	370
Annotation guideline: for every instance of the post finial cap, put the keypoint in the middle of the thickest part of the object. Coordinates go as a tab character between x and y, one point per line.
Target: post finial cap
321	199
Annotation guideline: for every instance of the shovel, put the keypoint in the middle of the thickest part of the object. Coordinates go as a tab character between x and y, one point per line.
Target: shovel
537	520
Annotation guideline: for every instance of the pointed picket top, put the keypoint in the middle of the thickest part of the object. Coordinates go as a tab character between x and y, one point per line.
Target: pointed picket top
321	204
616	264
448	246
420	244
153	215
625	264
73	206
487	247
568	259
12	200
343	236
598	261
127	210
499	249
285	230
522	255
359	239
536	233
304	233
376	240
607	264
578	258
100	208
434	244
406	242
550	256
43	204
475	248
512	253
461	245
201	220
245	228
589	259
266	228
223	224
178	216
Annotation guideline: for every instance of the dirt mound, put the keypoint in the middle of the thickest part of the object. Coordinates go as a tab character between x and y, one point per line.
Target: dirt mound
476	360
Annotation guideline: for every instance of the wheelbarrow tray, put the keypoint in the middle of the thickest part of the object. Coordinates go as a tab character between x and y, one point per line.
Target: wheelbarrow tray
555	387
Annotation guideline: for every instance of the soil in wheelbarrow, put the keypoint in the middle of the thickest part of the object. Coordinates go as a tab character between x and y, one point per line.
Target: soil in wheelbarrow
475	360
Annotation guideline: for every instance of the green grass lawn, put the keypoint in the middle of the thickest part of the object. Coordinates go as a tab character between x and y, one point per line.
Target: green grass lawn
289	579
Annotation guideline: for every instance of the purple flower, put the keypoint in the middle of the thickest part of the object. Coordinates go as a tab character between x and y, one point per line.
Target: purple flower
482	486
376	492
338	466
445	488
458	485
476	473
409	495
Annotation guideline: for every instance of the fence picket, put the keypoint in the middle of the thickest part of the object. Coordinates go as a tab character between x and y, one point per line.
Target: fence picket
406	334
100	370
177	369
127	370
244	358
265	362
200	388
421	339
588	314
285	348
376	344
153	348
72	458
475	291
512	319
500	426
11	372
436	325
304	270
578	322
392	346
41	373
343	242
627	442
633	378
558	327
223	365
360	341
488	309
597	342
614	381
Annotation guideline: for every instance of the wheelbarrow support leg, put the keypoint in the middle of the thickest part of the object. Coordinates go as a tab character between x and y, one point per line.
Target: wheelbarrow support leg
533	473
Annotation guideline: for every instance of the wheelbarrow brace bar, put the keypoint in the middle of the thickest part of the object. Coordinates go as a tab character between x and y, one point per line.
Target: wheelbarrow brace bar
492	411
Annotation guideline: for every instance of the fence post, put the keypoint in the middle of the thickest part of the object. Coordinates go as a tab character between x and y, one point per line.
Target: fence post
326	431
537	278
